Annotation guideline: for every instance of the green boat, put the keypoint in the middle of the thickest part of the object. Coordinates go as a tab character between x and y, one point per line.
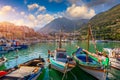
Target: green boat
91	63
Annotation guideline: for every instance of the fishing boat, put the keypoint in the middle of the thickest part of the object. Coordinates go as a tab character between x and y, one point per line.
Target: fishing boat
2	60
114	56
3	49
91	63
59	60
29	70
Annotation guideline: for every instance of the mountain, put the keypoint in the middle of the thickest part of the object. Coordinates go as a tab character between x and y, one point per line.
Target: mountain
10	30
105	25
62	23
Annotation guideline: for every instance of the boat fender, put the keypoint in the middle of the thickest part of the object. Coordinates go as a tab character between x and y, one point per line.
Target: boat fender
48	60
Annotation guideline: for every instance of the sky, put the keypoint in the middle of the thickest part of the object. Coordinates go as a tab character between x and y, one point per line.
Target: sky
37	13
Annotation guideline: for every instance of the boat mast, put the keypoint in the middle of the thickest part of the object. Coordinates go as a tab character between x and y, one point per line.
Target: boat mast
88	42
94	43
88	37
60	44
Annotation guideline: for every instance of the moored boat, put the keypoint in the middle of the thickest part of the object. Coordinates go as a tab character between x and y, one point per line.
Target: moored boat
90	62
29	70
3	49
60	61
114	56
89	65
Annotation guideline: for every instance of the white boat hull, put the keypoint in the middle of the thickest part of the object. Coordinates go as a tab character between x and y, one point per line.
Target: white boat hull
115	63
97	74
59	69
113	60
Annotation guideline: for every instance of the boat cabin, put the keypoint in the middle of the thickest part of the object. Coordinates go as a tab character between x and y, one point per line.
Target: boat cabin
61	55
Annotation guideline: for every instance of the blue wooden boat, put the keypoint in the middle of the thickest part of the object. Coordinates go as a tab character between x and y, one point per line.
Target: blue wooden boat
89	65
3	49
23	46
29	70
90	62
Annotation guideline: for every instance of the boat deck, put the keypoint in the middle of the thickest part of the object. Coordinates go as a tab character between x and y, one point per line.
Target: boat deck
83	58
21	72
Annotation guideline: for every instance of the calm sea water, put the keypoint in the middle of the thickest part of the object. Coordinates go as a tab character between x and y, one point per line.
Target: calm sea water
41	49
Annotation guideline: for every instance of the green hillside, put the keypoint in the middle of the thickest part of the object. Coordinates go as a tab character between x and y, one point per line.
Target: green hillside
105	25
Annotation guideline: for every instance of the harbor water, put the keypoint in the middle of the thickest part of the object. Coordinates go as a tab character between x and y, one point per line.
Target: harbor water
40	49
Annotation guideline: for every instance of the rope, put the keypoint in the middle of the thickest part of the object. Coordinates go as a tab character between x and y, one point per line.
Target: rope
65	71
74	75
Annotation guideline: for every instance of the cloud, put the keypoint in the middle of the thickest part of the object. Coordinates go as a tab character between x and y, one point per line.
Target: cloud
6	10
18	21
75	1
98	2
37	7
22	13
57	1
31	17
79	12
44	19
33	6
8	13
48	17
93	3
41	8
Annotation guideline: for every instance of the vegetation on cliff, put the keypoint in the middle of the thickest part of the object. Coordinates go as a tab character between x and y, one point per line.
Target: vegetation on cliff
105	25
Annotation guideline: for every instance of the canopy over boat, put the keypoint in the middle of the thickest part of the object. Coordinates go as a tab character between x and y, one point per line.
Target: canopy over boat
22	72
